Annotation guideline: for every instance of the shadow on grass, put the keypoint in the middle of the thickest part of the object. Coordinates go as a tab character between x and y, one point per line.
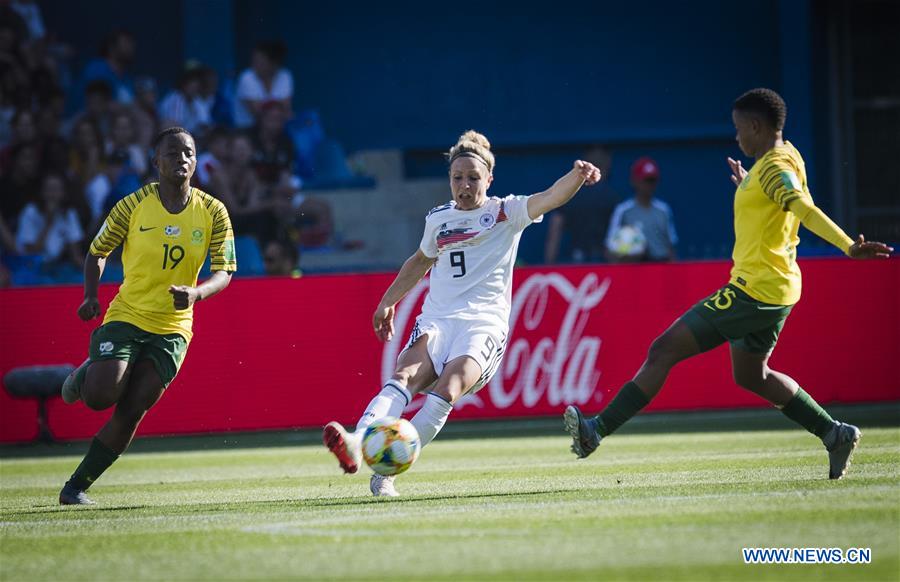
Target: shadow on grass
868	415
248	506
625	488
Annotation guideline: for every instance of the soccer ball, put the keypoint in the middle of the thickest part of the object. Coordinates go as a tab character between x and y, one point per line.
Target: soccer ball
628	241
390	445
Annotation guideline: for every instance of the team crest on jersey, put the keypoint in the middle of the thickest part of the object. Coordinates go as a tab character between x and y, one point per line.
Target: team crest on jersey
173	230
197	236
486	220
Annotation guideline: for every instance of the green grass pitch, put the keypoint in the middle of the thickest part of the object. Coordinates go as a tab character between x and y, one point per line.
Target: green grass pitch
649	505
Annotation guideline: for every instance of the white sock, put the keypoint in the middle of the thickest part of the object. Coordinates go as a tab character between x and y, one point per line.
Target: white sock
391	401
431	418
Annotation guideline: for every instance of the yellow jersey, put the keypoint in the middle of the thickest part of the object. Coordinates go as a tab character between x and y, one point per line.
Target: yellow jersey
765	232
162	249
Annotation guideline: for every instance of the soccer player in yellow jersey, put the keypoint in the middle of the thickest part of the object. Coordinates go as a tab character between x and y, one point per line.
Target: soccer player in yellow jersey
167	229
770	203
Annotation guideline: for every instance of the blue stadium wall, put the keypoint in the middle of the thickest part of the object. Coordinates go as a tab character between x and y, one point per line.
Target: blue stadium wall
652	78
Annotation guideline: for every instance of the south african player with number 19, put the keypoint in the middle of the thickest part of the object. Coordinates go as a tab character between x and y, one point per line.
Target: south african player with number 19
166	229
457	342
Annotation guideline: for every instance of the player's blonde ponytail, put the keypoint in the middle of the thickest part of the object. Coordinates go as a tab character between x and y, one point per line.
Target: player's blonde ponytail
473	145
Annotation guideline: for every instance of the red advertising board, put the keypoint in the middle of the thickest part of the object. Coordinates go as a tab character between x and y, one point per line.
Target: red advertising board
285	353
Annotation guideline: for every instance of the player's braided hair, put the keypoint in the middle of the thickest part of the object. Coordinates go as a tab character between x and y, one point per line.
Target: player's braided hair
473	145
766	103
167	132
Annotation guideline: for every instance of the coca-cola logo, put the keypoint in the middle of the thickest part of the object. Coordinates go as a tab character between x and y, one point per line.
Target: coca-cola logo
548	360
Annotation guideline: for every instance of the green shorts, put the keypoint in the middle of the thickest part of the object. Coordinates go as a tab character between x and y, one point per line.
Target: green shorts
732	315
118	340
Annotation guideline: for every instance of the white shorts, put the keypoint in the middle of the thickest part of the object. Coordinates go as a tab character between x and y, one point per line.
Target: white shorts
449	339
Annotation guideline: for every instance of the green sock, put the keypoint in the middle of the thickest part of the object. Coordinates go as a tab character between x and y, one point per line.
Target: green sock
806	412
628	402
98	459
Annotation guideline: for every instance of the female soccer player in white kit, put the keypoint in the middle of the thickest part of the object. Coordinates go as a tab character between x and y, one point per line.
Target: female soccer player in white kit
457	342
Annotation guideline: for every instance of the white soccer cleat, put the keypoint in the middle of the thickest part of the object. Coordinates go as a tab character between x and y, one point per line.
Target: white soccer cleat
382	486
845	441
344	445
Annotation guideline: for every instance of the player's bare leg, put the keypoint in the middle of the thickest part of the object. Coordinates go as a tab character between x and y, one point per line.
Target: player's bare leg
675	344
457	378
751	371
144	390
414	373
414	367
104	383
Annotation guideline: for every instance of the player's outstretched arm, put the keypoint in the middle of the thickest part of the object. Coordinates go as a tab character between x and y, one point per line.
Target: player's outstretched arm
93	269
410	273
563	189
812	217
818	222
183	296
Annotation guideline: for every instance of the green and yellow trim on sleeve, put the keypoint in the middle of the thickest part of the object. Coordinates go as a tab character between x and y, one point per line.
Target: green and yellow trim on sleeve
221	241
115	228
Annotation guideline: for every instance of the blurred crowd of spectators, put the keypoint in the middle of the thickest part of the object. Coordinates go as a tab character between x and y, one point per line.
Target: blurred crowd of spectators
74	142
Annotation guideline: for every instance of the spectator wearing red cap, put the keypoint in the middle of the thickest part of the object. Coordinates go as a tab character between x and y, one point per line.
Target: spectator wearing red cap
650	217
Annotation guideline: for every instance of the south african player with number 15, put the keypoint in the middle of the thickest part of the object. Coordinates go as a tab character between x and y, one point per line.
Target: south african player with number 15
771	201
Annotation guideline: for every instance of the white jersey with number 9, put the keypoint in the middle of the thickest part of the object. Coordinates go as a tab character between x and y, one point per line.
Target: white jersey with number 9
475	252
